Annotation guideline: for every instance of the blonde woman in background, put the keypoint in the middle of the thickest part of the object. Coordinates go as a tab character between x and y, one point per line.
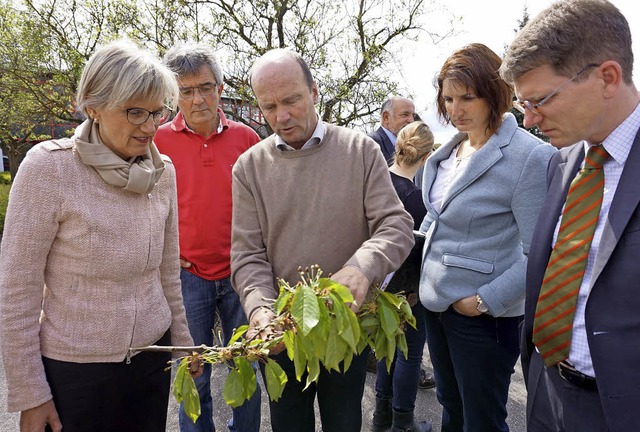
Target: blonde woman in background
396	391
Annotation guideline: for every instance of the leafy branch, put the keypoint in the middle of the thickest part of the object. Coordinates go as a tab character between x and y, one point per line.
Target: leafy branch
317	327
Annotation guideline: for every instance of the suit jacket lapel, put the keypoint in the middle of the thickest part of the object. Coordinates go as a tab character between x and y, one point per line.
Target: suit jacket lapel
389	149
623	205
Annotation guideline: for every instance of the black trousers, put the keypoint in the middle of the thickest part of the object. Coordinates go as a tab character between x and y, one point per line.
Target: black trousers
339	398
109	397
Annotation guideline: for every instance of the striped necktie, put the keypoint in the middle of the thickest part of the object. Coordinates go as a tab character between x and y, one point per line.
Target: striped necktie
553	321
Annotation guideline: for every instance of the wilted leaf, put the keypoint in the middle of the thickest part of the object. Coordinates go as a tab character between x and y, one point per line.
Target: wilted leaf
405	308
185	391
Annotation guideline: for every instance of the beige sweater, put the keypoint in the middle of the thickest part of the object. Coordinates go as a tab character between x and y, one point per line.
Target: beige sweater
107	259
332	205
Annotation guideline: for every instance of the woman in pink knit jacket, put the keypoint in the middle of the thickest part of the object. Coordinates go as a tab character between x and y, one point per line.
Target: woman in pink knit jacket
89	259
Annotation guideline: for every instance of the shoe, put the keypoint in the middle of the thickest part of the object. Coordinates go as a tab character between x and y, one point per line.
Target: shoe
426	380
382	416
372	363
404	422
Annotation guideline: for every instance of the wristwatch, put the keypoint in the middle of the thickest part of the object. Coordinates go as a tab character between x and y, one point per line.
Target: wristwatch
482	308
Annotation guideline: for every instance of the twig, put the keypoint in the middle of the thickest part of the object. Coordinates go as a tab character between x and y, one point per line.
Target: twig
159	348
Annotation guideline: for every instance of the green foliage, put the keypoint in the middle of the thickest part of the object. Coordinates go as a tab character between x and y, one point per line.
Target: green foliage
318	329
185	391
5	186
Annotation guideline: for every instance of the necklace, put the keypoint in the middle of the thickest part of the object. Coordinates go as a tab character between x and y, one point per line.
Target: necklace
459	151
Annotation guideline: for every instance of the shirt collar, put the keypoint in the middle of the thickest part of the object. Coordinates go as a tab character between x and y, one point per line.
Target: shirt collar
619	142
179	123
316	138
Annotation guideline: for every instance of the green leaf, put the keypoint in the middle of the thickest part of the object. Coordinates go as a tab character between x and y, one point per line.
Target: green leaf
405	308
299	358
342	292
281	301
380	345
240	331
347	361
389	319
393	299
248	376
276	379
232	391
340	312
304	309
401	341
332	358
355	327
313	369
185	391
289	339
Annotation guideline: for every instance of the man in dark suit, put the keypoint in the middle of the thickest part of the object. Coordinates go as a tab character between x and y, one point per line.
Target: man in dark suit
396	113
572	71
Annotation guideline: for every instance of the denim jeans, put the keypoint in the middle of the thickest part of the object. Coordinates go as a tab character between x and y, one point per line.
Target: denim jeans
201	298
473	359
401	383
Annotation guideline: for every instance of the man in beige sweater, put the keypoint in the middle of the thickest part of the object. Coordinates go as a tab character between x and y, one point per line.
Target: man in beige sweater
312	193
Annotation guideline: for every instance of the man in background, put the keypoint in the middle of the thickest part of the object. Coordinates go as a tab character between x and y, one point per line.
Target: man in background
396	113
204	146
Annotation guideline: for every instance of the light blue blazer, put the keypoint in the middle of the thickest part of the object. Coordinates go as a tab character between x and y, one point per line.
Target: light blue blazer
479	241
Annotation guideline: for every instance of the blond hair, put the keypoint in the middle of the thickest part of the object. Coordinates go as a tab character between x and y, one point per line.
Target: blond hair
119	72
415	141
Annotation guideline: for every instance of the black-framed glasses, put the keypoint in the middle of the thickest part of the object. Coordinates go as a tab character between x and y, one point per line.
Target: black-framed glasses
138	116
534	107
205	89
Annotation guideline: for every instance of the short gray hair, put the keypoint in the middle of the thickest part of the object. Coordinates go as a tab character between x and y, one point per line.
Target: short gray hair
121	71
188	59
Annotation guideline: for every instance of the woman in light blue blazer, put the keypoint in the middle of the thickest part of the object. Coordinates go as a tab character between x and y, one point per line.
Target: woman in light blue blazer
482	191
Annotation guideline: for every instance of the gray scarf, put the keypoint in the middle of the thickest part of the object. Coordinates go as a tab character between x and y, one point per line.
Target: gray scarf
139	174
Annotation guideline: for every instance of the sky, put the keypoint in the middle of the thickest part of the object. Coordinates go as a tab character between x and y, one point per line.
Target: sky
491	22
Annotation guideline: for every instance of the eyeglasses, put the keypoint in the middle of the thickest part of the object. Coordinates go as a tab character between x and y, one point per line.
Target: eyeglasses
534	107
205	89
138	116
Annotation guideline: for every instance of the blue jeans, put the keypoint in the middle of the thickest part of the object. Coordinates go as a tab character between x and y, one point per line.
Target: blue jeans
473	359
401	383
201	298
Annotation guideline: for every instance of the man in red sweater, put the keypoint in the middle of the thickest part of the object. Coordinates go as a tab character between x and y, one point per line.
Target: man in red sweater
204	146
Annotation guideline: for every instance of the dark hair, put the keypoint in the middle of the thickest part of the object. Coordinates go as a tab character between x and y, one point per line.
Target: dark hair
475	66
568	36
